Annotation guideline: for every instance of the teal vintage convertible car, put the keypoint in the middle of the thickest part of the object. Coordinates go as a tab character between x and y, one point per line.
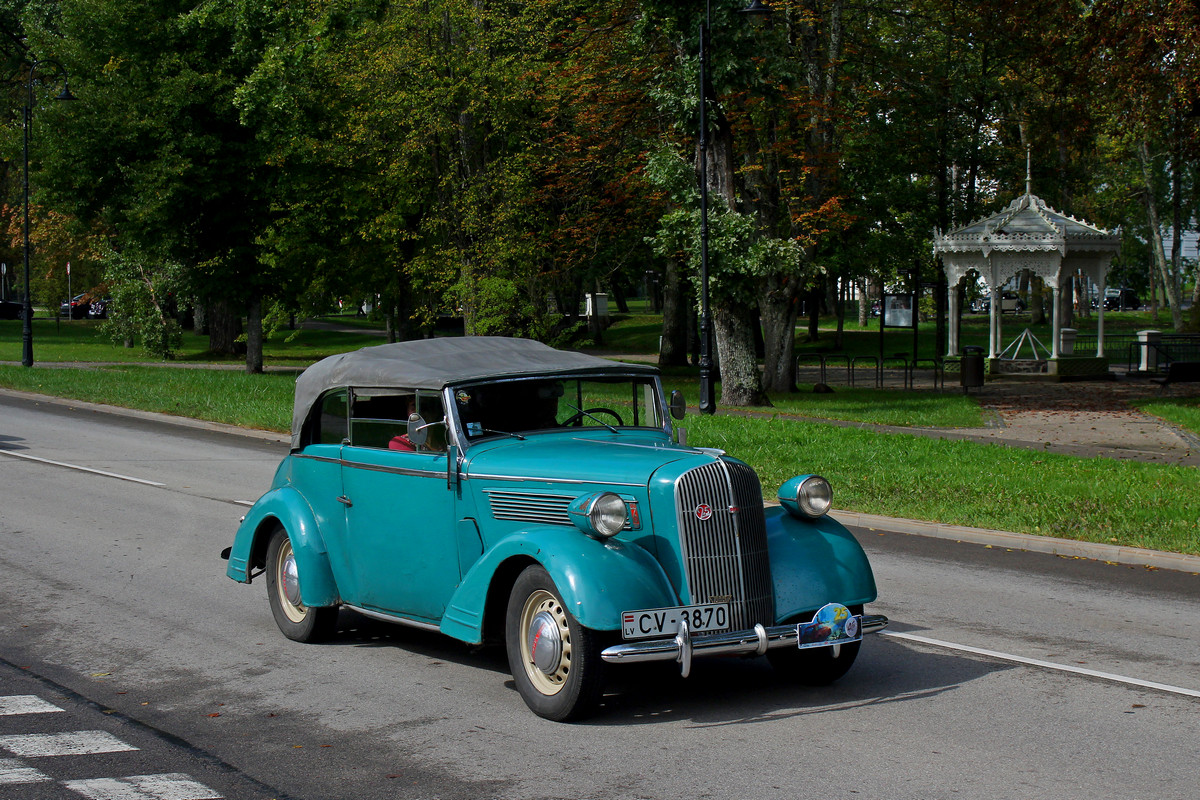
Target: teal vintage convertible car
497	489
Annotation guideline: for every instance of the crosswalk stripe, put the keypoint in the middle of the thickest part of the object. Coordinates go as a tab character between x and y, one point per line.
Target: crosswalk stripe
13	771
169	786
25	704
38	745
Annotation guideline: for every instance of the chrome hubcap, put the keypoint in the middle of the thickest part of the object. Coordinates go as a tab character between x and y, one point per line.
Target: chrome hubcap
545	643
290	579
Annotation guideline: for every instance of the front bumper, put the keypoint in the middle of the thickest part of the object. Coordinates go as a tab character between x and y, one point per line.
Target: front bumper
683	646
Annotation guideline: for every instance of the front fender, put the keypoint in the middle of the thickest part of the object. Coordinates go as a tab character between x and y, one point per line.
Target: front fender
815	562
597	580
287	507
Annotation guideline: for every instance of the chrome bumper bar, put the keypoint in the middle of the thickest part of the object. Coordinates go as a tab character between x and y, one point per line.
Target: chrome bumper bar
683	645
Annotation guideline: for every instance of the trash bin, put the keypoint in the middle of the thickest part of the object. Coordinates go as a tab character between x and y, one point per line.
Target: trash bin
1066	342
972	367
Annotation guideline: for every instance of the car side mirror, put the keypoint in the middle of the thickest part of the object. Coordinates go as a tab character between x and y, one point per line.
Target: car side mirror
418	431
678	404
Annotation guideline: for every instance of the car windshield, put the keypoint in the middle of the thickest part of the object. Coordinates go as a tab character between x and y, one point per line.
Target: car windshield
538	404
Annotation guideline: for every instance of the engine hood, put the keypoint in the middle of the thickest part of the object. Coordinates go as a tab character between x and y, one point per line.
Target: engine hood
591	457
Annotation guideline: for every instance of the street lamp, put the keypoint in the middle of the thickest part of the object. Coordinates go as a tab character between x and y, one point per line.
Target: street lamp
56	72
708	402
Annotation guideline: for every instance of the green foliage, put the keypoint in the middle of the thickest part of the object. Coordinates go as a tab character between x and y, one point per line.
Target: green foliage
502	309
143	292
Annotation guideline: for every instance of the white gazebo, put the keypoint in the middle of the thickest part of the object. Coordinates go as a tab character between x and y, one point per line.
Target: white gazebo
1027	235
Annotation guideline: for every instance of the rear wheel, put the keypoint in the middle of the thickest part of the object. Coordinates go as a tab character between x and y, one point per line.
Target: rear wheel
817	666
555	661
297	621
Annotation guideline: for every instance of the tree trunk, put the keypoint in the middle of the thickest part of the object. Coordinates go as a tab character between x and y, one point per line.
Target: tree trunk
1037	301
200	319
676	310
224	328
1170	287
741	383
254	337
778	311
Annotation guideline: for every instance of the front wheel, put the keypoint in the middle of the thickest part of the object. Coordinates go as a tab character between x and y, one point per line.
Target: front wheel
818	666
555	661
298	622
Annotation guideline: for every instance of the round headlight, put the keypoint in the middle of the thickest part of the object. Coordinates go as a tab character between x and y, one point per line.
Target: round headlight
608	514
814	496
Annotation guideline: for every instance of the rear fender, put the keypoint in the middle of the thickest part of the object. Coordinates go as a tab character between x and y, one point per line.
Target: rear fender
597	580
287	508
815	562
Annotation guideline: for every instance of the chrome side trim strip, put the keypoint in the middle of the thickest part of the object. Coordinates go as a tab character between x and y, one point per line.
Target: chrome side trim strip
411	623
420	473
531	479
324	459
750	642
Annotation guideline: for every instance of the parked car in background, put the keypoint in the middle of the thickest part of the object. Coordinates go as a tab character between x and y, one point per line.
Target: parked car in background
1009	302
499	490
1121	299
88	304
10	309
75	308
98	307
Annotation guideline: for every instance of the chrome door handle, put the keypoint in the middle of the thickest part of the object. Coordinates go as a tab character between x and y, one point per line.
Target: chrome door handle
345	501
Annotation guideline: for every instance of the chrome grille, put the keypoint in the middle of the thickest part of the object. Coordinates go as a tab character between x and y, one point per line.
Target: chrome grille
725	556
528	507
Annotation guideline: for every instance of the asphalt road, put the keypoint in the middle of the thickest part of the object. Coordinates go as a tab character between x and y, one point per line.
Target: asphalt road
118	613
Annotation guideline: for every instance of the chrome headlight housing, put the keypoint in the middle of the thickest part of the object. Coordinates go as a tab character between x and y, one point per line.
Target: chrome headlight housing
807	496
601	515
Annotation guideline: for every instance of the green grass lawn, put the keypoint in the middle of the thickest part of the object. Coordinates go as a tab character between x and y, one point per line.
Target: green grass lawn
1181	411
87	341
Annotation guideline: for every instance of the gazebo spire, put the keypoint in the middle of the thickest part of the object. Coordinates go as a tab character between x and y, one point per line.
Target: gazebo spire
1028	170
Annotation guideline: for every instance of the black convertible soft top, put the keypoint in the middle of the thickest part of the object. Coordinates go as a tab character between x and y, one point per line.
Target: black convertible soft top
436	363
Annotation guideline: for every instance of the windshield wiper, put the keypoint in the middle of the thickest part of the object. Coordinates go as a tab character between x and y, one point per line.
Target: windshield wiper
593	418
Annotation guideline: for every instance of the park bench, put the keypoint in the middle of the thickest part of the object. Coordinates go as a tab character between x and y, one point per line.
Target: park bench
1179	372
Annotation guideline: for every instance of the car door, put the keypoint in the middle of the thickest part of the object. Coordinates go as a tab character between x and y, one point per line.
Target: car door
317	475
400	512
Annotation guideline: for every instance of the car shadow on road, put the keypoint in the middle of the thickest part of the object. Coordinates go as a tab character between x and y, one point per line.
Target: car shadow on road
10	442
719	691
356	630
739	691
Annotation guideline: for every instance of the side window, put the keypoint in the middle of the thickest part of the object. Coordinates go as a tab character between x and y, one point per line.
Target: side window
379	419
330	425
429	406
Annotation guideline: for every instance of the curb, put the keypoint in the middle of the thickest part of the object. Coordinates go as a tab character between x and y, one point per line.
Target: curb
1114	554
1071	548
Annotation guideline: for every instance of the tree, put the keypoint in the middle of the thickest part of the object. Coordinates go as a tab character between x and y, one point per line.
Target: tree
154	151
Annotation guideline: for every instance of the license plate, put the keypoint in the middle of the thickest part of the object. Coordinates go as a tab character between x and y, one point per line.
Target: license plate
665	621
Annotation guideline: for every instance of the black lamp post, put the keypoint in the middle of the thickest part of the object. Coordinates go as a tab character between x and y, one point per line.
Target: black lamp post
708	402
37	69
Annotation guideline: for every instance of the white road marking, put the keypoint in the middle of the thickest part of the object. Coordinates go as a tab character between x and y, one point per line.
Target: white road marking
1034	662
25	704
170	786
80	743
28	457
13	771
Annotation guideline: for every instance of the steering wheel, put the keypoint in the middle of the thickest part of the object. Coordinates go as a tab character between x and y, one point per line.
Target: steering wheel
589	411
